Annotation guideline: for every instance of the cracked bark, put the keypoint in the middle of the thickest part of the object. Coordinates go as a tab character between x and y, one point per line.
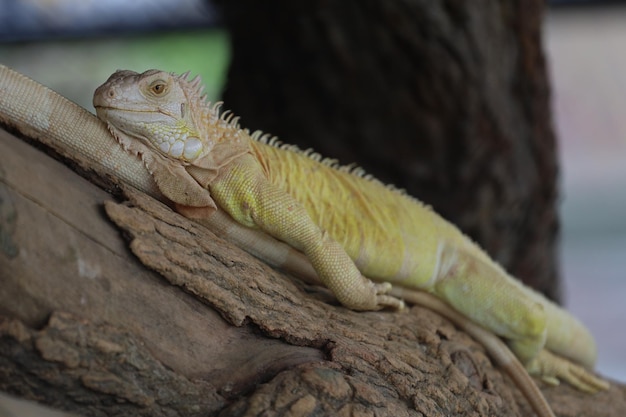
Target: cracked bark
449	100
87	328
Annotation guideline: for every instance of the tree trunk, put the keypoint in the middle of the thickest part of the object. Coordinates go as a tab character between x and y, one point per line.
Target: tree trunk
448	100
86	328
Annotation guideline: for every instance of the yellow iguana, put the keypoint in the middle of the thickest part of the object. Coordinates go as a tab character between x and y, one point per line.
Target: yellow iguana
348	226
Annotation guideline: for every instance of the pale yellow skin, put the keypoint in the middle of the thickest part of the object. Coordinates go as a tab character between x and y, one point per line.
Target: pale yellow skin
348	226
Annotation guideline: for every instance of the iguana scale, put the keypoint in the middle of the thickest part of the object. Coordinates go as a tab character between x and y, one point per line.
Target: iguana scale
214	167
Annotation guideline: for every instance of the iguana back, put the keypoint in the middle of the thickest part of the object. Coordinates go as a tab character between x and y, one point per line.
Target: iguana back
383	230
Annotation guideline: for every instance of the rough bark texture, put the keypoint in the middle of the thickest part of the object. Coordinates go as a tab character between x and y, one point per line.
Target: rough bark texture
448	100
85	327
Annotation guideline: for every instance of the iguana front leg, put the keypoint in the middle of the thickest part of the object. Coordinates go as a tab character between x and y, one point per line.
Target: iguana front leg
243	191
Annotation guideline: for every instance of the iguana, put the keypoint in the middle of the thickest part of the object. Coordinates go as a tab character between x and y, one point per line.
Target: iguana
350	226
212	150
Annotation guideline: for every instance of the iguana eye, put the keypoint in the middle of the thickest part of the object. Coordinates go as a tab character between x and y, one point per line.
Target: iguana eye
158	87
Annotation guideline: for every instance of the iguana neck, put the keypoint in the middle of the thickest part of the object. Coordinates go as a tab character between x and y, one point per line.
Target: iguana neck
222	135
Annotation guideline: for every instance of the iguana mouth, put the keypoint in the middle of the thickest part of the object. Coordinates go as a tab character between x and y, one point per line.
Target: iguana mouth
148	115
124	110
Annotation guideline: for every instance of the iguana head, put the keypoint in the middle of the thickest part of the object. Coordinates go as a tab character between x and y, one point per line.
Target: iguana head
182	139
165	111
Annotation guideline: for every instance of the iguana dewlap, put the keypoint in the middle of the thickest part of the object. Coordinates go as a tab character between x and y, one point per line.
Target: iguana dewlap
348	225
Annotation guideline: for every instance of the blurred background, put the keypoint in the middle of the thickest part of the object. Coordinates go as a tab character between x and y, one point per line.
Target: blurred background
72	46
584	46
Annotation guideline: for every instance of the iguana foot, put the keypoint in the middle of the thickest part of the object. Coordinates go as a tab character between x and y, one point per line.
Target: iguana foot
551	369
383	300
369	296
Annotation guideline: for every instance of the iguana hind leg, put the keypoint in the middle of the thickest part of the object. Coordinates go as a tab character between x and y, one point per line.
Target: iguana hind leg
483	292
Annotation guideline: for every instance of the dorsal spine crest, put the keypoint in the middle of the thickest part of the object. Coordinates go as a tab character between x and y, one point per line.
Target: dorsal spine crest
231	121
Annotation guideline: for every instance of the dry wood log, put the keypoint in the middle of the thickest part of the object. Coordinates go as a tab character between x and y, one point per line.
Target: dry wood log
87	328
